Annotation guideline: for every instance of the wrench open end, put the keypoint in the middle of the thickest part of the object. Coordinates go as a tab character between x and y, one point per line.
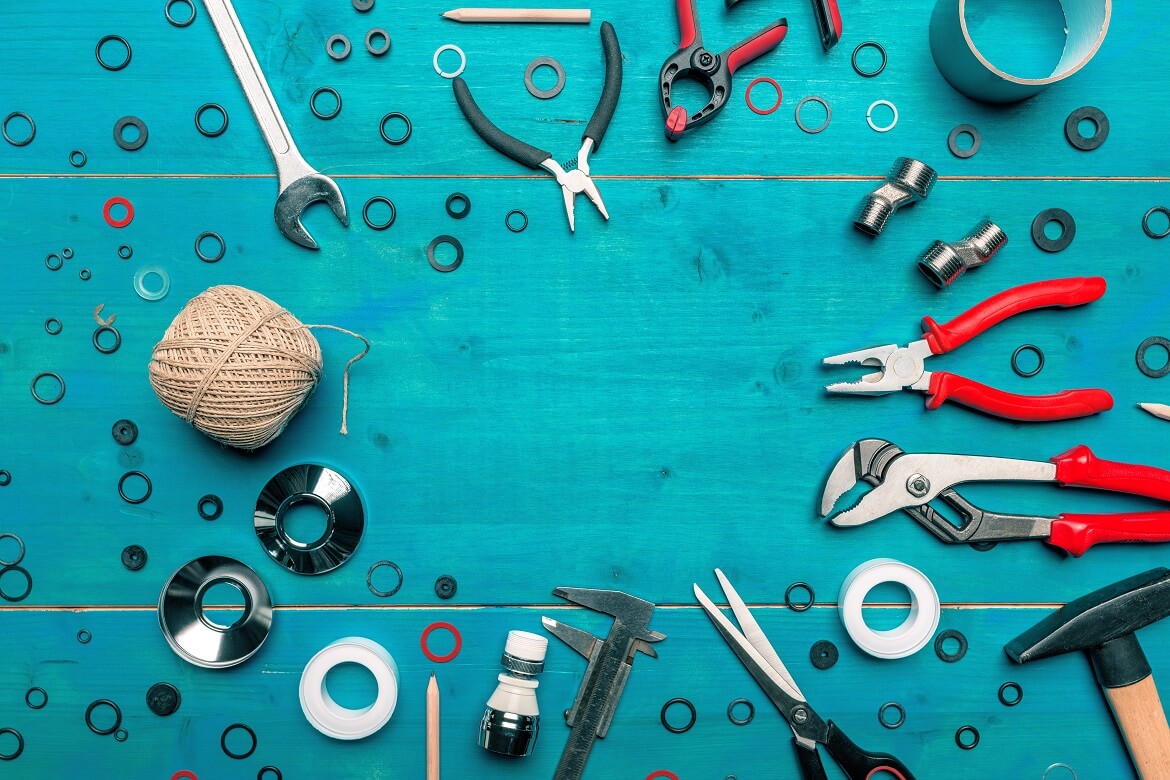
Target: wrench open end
296	197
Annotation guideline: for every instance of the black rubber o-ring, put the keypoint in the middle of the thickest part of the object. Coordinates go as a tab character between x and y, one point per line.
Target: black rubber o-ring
801	606
508	221
85	275
216	503
891	705
313	103
1068	229
974	732
446	587
5	478
28	583
77	158
379	225
122	487
741	721
452	241
370	579
137	143
458	197
117	717
67	253
97	334
199	112
371	35
1146	222
230	729
401	139
172	20
54	399
125	251
97	52
19	745
121	735
1143	366
1039	353
1010	686
51	265
941	652
53	326
210	258
44	700
869	74
84	636
266	769
1072	128
363	5
678	729
953	141
32	133
124	432
823	654
8	535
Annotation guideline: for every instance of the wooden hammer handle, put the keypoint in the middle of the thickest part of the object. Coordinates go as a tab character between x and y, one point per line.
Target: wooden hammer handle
1142	721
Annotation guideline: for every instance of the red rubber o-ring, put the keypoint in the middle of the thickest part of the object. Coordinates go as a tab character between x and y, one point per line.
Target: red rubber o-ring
442	659
662	773
184	774
119	223
747	96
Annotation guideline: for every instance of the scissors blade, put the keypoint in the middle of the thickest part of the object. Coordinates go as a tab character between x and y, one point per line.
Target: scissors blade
754	634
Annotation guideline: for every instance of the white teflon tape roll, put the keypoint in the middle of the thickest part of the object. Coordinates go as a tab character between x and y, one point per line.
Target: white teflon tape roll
914	633
329	717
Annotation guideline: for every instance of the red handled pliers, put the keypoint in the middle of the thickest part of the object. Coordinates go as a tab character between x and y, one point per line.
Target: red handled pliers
713	71
904	367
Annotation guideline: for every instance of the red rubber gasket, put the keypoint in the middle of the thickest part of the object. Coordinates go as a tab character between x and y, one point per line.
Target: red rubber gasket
747	95
662	773
442	659
184	774
119	223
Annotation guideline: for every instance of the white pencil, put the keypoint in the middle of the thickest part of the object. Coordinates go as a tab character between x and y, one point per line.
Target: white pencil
528	15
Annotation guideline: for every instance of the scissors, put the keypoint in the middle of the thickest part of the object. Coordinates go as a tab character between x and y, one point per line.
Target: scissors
809	730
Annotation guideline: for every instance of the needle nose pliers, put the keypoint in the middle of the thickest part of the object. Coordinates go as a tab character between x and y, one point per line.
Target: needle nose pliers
577	180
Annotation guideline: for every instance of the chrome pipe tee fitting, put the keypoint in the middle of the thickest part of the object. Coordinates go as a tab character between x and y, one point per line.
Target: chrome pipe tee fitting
943	263
909	182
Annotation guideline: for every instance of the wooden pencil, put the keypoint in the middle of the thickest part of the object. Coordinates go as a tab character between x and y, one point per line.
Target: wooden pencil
525	15
433	729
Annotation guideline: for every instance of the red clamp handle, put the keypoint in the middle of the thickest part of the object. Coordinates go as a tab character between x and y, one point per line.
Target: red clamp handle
1077	533
688	23
1079	467
758	43
1064	405
1074	291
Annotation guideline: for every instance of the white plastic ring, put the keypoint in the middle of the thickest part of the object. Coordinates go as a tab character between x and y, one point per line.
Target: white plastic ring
329	717
462	60
869	116
140	282
914	633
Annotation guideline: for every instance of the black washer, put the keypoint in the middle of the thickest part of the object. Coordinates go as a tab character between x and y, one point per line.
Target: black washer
113	66
229	730
1143	366
97	339
43	695
334	53
1072	128
5	478
54	262
823	654
941	652
19	745
40	398
53	326
1039	353
1068	229
32	132
869	45
555	89
122	487
370	579
400	139
199	112
134	557
891	724
799	606
266	770
318	112
28	583
445	587
458	197
1146	222
185	22
125	251
1010	686
751	713
379	225
953	141
210	234
77	158
678	729
137	143
508	221
117	717
163	699
458	261
216	507
974	732
125	432
373	34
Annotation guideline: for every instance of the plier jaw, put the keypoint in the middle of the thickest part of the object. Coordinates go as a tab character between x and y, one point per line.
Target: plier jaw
901	368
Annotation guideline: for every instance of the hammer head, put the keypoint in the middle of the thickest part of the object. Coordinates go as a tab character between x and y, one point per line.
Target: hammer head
1113	612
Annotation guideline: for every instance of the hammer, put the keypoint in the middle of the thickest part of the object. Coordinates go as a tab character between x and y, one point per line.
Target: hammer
1104	623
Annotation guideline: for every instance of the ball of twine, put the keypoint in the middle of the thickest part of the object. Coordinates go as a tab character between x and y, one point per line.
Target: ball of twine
238	367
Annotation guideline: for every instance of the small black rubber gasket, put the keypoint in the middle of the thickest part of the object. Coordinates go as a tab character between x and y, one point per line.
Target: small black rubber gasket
111	348
828	114
953	141
216	507
678	729
400	139
345	47
891	724
445	587
85	636
19	543
974	732
223	741
28	583
451	240
19	745
1140	357
163	699
823	654
122	487
137	143
5	481
117	717
210	234
363	5
28	698
177	23
1146	222
379	225
32	133
555	89
42	399
54	266
53	326
1068	230
97	52
751	713
77	158
318	92
134	557
125	251
370	579
801	606
121	735
869	74
941	652
1010	686
264	770
85	275
199	112
508	221
1072	128
124	432
1039	353
67	253
458	197
375	33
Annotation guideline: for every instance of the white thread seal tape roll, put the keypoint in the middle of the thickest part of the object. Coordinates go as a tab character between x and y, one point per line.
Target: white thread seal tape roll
329	717
914	633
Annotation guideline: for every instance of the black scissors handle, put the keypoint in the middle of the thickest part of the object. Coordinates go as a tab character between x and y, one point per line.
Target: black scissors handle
857	764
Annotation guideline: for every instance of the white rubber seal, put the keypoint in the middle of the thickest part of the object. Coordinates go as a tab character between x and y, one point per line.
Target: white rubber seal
869	116
329	717
914	633
462	60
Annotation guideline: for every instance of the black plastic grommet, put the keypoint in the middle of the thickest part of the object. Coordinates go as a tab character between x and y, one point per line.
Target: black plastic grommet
891	705
823	654
19	745
117	717
210	234
1039	353
223	741
134	557
379	225
454	198
370	579
326	115
163	699
1010	686
940	650
122	487
1068	230
449	267
1140	357
203	109
97	52
445	587
214	502
799	606
125	432
974	732
41	701
751	713
678	729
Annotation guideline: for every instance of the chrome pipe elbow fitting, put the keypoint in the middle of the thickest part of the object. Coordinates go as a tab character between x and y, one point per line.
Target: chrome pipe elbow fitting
943	263
909	182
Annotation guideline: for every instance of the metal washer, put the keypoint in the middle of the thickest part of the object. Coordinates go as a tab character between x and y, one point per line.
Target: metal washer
555	89
331	492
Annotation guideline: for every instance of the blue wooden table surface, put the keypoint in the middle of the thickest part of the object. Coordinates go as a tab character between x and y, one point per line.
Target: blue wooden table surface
628	406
